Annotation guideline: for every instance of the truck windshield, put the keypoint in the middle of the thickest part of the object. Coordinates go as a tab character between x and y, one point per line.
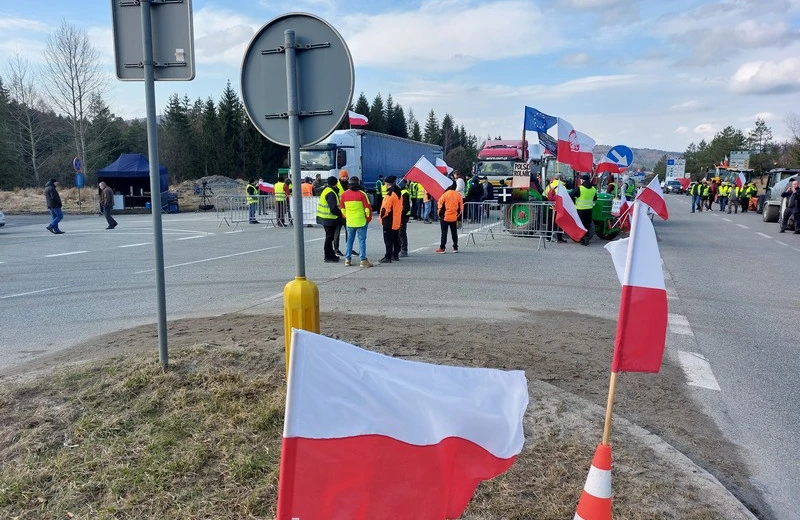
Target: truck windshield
317	160
553	167
498	168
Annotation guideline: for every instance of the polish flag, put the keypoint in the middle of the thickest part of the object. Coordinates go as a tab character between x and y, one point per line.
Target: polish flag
266	187
357	119
725	162
567	216
371	436
654	197
434	182
740	180
442	166
642	321
574	148
608	165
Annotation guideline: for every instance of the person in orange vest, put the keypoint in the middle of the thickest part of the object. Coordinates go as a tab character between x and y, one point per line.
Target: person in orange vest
391	218
451	206
308	189
357	213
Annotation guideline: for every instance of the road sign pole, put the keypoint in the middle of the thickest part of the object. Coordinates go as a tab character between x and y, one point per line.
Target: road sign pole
155	180
300	296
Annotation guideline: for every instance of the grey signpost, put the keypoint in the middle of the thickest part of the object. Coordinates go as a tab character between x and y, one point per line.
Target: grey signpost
297	85
135	23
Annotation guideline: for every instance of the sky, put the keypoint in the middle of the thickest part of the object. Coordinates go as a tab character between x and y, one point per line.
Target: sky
644	73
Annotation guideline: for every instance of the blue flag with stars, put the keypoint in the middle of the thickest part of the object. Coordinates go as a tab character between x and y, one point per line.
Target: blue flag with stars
536	121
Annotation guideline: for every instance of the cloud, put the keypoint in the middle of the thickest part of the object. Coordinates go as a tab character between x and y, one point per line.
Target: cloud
221	36
597	4
682	130
766	77
766	116
23	24
575	60
690	106
705	129
437	38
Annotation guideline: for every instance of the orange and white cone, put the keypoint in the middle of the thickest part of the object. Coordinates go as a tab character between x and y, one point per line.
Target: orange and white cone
595	502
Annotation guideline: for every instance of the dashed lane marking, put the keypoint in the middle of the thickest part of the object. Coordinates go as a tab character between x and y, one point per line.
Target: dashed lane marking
714	215
759	233
679	324
742	226
32	292
190	238
698	371
212	259
417	250
315	240
726	219
135	245
795	249
66	254
235	231
781	243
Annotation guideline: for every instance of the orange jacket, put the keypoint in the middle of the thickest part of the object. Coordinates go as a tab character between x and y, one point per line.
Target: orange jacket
307	189
451	205
392	207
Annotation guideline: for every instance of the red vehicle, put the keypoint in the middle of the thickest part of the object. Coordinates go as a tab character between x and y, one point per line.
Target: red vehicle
497	157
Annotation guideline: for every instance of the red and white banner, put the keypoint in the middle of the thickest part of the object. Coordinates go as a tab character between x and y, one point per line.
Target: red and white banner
740	180
432	179
442	166
357	119
654	197
567	216
575	148
371	436
642	321
265	187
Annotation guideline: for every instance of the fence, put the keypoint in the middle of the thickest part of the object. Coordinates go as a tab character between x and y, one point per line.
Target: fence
519	219
234	209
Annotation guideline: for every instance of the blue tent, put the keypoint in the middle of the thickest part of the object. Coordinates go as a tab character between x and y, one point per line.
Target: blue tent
131	170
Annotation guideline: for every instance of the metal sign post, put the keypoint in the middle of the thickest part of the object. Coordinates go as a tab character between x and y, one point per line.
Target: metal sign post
171	21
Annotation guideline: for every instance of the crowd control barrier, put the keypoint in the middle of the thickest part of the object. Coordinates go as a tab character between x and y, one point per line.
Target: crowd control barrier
533	219
234	210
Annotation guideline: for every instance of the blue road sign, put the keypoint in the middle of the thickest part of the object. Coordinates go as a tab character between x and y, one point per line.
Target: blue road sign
76	164
621	155
79	180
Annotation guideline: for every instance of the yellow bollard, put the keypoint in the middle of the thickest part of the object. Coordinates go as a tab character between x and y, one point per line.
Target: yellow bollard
300	309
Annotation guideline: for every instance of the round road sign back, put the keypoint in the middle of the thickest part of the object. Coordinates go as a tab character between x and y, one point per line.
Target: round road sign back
325	78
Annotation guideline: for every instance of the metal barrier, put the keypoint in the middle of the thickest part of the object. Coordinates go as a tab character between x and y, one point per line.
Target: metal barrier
521	219
234	209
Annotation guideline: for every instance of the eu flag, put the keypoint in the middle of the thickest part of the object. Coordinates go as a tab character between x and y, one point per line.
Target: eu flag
536	121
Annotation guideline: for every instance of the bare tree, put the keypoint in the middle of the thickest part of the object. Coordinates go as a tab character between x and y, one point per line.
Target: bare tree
792	122
73	77
26	111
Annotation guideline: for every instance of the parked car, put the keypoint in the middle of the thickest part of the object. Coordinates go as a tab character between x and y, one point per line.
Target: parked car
2	218
673	187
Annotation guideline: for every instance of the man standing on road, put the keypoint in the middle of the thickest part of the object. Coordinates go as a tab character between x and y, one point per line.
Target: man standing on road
357	213
108	204
329	216
391	217
792	207
251	191
584	195
406	198
724	192
696	191
451	206
280	202
53	200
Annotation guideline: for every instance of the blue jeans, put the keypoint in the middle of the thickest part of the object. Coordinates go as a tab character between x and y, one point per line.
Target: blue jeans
695	202
56	215
362	241
426	210
253	207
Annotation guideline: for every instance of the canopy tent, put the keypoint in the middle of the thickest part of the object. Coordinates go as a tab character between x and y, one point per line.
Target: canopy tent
129	175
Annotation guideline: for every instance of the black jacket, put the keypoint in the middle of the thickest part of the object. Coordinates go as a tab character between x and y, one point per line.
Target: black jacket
51	196
794	198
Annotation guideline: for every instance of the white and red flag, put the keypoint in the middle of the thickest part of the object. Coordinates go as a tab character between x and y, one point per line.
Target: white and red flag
357	119
567	216
430	177
653	196
608	165
574	148
642	321
371	436
266	187
442	166
740	180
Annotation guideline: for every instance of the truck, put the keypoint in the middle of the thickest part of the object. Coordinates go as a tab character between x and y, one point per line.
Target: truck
364	154
773	205
496	159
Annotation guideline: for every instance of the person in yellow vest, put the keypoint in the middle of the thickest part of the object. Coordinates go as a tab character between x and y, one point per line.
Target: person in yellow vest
329	216
584	195
280	201
251	193
379	192
341	186
407	200
724	193
357	214
749	192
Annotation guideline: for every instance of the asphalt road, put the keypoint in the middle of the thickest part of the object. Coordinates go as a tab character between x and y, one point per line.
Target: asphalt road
733	309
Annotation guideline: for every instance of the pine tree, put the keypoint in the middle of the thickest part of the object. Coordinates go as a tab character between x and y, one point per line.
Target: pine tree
432	134
416	132
231	117
362	105
410	122
377	115
397	126
173	136
446	135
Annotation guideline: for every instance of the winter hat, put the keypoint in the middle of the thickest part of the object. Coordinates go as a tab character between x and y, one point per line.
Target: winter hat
332	181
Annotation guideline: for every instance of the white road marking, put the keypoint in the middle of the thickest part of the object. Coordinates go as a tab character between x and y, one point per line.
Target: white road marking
742	226
417	250
698	371
726	219
714	215
781	243
32	292
135	245
315	239
237	231
212	259
798	250
763	234
679	324
190	238
66	254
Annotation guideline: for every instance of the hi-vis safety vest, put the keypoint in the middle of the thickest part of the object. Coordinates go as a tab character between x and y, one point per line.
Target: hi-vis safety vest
706	191
308	190
280	191
630	187
403	194
355	213
419	192
552	186
383	189
585	198
252	194
724	191
323	210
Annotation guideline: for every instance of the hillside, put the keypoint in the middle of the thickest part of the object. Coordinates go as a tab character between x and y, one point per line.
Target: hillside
644	158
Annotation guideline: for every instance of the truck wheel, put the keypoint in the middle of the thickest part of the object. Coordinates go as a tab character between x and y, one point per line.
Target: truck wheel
771	213
518	219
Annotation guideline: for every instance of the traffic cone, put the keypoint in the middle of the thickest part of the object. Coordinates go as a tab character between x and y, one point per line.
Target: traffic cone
595	502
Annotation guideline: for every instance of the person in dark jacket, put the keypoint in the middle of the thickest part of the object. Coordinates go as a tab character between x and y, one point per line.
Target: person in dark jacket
329	216
108	204
792	207
53	200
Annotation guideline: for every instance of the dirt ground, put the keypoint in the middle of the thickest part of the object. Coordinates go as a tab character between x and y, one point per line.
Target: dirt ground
569	351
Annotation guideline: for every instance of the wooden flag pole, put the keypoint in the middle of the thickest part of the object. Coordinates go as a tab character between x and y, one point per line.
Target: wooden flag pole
612	388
